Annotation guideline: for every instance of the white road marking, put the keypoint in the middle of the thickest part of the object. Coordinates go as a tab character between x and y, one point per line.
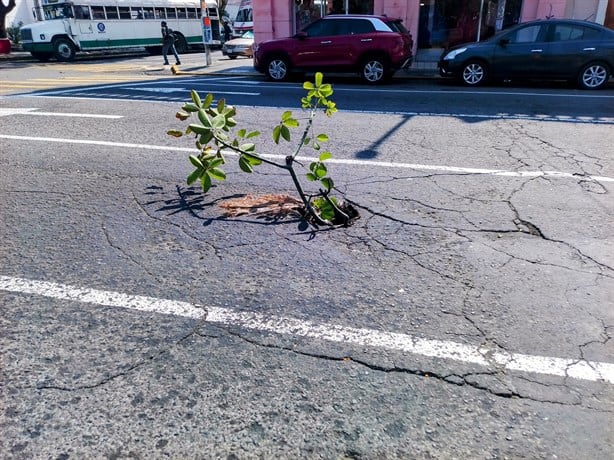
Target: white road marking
381	164
160	90
443	349
33	111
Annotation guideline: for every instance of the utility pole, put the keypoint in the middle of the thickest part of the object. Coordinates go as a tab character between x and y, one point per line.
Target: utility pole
207	32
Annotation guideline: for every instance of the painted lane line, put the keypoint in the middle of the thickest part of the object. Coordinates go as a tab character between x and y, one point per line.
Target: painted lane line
33	111
381	164
442	349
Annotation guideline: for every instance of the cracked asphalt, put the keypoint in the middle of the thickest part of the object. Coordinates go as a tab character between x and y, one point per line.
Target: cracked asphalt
505	263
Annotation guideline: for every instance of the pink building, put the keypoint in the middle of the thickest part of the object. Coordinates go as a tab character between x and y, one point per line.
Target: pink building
434	24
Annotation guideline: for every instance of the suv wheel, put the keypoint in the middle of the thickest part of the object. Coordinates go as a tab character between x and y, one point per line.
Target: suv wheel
374	70
593	76
277	69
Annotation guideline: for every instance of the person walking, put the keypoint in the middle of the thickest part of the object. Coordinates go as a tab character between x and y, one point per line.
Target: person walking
227	31
168	43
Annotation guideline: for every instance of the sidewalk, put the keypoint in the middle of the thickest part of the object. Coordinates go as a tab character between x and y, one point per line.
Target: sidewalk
194	64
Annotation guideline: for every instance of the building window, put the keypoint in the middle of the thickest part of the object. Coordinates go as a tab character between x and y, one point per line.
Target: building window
445	23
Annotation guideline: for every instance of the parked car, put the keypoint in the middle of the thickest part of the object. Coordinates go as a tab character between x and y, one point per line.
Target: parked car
557	49
373	46
241	46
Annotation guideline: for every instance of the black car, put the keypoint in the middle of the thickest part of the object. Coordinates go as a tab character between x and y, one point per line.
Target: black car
556	49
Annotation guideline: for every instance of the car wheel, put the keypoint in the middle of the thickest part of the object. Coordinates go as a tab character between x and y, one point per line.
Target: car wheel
232	56
277	69
474	73
374	70
64	50
593	76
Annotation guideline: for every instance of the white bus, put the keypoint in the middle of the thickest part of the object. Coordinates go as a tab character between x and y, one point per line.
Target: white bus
65	27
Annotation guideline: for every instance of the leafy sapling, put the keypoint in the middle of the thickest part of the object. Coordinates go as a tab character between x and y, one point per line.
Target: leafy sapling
213	128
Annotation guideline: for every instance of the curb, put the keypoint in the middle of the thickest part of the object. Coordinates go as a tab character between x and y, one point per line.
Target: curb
415	74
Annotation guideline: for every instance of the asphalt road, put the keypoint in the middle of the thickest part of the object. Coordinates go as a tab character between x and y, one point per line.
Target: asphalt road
466	314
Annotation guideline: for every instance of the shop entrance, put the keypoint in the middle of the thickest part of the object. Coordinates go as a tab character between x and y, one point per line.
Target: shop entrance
445	23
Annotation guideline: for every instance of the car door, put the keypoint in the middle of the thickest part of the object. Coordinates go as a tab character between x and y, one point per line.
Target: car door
321	47
520	52
571	47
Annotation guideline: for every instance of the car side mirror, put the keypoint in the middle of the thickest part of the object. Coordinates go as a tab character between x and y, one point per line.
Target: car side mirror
301	35
504	41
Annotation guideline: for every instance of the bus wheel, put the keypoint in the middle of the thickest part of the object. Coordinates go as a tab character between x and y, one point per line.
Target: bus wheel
63	49
42	57
181	45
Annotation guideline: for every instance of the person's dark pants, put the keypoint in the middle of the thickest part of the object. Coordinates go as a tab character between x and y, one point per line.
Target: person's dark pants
166	47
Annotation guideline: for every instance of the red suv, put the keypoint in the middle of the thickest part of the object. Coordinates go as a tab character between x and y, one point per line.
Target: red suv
373	46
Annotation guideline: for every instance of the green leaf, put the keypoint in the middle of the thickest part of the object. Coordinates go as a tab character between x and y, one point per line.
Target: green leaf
328	183
319	77
276	133
207	102
249	147
255	161
175	133
253	134
308	86
196	162
245	165
204	118
322	138
291	123
285	133
189	107
218	122
215	163
287	115
198	129
195	98
182	116
311	176
320	171
242	132
220	105
193	177
326	90
325	156
205	181
217	173
206	137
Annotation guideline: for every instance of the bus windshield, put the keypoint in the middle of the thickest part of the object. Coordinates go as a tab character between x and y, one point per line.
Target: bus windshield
57	11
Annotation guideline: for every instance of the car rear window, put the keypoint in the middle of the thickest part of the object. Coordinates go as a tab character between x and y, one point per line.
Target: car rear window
398	26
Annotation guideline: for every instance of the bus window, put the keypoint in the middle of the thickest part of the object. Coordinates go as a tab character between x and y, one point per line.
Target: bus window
159	12
136	12
111	12
192	13
98	12
171	13
82	12
181	14
148	12
124	12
